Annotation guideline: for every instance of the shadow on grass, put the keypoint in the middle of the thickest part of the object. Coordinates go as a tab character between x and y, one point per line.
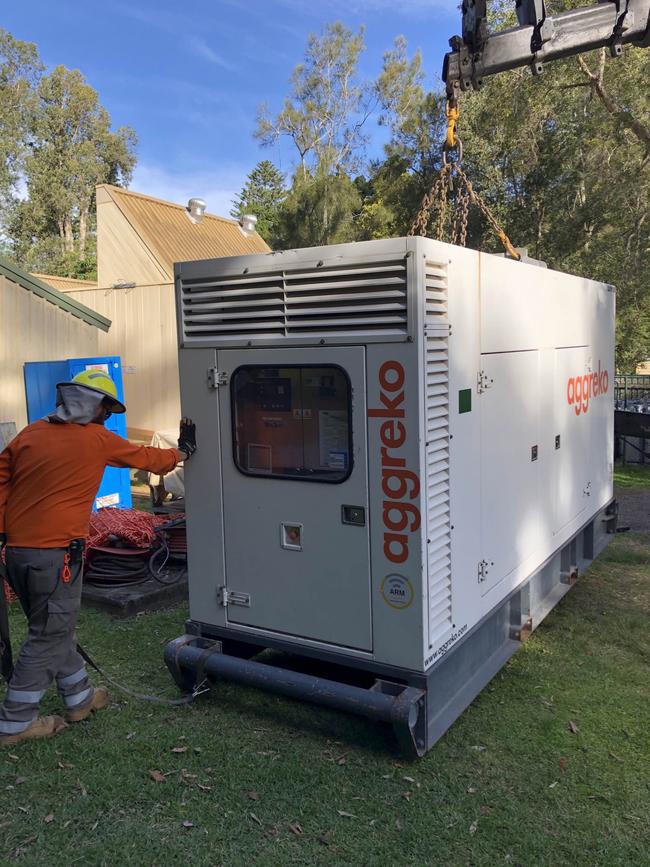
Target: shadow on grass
312	722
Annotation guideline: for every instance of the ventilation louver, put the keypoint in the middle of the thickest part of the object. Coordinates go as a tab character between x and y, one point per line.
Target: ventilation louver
435	292
348	301
437	475
437	452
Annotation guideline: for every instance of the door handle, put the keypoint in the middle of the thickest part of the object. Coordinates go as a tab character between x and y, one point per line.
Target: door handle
354	515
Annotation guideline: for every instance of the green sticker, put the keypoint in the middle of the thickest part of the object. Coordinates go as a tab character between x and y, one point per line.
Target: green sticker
465	400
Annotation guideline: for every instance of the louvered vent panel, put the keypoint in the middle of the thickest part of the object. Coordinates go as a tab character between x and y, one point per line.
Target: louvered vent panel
346	301
435	291
437	469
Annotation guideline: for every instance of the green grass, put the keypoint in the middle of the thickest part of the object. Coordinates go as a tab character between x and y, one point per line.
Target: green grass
508	784
631	476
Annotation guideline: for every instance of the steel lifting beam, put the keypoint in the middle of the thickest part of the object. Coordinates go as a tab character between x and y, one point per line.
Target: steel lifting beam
540	38
191	660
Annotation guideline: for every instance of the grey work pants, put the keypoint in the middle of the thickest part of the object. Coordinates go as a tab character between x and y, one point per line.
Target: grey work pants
51	606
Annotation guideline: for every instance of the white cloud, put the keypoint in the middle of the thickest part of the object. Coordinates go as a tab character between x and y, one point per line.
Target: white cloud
202	49
177	25
218	187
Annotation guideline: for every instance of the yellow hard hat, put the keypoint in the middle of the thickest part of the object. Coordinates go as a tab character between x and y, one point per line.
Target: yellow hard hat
99	381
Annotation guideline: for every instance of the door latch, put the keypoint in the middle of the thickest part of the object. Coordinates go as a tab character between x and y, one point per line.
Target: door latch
483	571
483	382
228	597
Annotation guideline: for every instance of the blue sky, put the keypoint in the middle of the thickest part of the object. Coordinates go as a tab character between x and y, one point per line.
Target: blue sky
189	77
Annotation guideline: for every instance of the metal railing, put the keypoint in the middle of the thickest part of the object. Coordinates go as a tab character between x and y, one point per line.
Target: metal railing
633	386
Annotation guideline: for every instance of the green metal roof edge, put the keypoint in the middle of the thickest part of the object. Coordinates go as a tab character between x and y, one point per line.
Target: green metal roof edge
60	299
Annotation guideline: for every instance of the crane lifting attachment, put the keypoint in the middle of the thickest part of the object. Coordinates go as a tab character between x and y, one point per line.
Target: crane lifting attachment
539	38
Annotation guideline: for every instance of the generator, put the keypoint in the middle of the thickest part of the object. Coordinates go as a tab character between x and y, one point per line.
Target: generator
405	455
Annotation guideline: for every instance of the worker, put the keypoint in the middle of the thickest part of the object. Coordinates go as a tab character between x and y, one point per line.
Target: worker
49	477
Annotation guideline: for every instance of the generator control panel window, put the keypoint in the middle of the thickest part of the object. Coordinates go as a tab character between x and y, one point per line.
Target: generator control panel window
292	422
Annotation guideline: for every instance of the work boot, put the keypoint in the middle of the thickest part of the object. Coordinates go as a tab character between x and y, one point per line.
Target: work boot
42	727
98	700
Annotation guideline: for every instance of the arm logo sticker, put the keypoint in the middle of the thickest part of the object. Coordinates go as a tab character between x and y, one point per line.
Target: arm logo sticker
397	591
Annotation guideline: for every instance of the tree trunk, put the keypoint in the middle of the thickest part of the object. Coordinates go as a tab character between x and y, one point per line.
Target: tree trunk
61	226
68	237
540	230
83	230
326	221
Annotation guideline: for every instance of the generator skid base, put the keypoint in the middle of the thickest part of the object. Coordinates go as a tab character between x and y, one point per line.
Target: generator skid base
194	660
420	708
405	460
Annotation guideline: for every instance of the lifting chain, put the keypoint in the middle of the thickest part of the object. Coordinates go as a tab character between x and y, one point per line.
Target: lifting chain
461	216
465	194
487	213
437	194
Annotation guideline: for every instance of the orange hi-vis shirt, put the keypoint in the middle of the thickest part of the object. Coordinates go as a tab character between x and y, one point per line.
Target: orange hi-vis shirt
50	474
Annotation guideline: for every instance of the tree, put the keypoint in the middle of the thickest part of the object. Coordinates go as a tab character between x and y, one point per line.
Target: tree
72	149
415	119
19	69
324	118
262	195
328	107
318	210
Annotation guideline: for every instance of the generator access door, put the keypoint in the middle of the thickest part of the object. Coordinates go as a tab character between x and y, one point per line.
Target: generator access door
295	490
512	458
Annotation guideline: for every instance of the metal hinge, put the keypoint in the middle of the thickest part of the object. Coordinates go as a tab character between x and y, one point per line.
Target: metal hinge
483	571
483	382
217	377
233	597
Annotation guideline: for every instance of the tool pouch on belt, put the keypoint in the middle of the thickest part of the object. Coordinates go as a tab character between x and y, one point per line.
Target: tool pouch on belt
73	558
76	550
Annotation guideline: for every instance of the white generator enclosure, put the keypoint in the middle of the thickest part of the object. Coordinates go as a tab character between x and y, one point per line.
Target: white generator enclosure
404	460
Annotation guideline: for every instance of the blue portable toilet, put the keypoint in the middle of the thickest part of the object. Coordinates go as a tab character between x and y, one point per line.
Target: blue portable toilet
41	378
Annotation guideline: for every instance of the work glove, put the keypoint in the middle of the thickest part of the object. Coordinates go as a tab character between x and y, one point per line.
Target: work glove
187	437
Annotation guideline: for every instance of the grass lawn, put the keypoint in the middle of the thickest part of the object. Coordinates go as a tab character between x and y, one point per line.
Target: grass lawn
251	779
632	476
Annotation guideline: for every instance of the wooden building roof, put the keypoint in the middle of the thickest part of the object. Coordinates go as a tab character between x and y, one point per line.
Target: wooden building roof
65	284
170	236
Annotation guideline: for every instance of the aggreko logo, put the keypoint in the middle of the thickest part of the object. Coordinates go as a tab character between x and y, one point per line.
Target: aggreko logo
398	484
580	389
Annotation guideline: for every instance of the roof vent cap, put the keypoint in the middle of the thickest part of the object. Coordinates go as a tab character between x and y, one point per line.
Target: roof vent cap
248	222
196	209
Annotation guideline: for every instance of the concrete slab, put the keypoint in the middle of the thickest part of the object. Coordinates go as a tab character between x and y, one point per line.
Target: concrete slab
148	595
